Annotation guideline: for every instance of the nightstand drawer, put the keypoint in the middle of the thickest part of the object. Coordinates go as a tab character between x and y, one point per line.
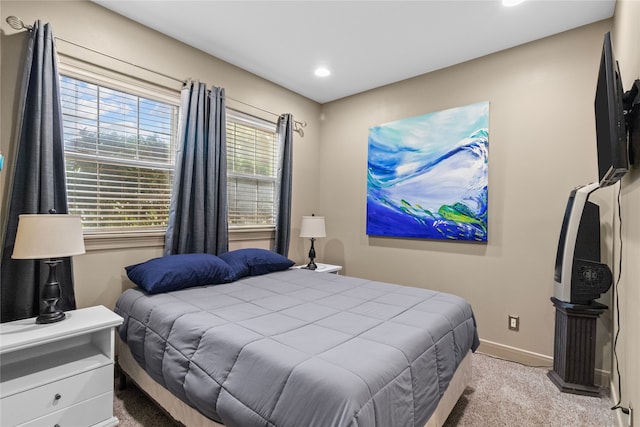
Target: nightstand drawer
43	400
95	411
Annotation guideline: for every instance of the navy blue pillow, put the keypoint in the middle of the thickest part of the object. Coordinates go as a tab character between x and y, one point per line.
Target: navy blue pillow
255	262
173	272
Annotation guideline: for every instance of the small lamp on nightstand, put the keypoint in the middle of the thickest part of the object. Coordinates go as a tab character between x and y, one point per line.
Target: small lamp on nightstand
49	236
312	226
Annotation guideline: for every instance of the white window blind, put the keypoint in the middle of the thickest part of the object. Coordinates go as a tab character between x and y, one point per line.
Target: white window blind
120	156
252	154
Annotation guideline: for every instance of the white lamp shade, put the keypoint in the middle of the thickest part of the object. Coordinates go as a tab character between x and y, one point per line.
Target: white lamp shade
312	226
42	236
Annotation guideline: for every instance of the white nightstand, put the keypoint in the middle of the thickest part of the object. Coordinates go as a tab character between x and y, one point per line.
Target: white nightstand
324	268
59	373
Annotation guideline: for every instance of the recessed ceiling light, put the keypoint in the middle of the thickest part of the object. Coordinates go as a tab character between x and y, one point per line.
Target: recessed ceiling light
322	72
510	3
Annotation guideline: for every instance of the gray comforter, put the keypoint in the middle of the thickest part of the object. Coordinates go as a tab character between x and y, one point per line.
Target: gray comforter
299	348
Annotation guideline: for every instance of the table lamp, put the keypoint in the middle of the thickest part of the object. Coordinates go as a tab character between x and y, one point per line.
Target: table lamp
51	237
312	226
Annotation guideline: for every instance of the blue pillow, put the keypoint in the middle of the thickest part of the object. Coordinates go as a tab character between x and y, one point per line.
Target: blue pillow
255	262
173	272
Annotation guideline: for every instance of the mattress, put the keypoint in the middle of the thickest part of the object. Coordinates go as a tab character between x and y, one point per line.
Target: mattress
299	348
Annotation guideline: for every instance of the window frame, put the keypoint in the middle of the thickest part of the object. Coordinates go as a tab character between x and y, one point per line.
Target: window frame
70	67
266	125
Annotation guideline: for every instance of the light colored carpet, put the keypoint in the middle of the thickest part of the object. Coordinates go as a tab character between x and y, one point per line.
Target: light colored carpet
504	393
134	409
501	394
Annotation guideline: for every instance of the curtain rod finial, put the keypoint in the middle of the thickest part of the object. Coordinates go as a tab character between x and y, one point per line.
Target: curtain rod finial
17	23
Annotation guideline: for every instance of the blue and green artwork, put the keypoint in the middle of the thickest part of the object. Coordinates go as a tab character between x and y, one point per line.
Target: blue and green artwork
428	176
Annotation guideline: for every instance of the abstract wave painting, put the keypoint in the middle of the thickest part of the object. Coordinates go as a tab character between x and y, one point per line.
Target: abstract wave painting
428	176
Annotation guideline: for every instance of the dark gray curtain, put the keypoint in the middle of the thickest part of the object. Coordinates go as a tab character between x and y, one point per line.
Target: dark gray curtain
283	218
38	183
198	211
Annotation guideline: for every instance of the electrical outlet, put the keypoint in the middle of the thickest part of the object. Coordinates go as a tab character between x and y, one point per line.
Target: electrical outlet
514	323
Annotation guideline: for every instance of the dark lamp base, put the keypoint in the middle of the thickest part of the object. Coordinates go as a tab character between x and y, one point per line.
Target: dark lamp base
312	254
50	296
50	317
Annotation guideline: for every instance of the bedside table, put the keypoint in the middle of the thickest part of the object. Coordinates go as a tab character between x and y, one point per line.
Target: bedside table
59	373
323	268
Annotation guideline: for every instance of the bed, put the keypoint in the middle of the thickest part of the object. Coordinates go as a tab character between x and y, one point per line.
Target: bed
298	348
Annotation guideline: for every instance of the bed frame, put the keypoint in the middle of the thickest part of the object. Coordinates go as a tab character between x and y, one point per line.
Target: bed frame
185	414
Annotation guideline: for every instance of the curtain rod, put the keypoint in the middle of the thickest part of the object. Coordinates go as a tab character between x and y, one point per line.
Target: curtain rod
17	24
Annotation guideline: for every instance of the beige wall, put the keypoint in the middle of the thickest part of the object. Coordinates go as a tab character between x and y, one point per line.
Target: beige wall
626	38
541	145
99	273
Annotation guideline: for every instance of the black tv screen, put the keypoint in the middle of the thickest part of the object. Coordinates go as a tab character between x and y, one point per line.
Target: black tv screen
613	160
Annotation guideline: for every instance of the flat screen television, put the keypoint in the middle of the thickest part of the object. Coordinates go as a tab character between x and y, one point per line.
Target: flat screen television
611	133
579	275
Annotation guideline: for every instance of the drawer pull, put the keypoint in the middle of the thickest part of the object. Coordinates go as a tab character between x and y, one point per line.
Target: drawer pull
57	397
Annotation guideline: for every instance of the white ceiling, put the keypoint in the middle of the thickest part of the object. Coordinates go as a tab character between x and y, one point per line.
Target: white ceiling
366	44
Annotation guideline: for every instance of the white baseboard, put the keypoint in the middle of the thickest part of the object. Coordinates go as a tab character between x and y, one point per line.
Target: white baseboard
601	377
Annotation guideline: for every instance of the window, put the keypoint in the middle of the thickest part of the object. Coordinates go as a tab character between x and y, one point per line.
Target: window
252	153
119	154
120	144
